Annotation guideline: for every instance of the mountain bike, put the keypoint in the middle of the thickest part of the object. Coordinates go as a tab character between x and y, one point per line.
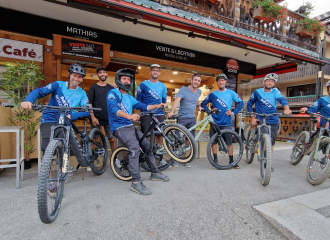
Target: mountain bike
218	138
177	141
317	146
91	152
259	142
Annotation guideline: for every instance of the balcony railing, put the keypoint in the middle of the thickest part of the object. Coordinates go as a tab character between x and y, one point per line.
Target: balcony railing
310	70
240	15
302	100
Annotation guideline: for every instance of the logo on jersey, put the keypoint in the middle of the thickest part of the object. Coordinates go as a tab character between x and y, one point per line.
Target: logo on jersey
154	95
124	106
252	96
111	97
221	103
328	105
315	104
266	103
49	86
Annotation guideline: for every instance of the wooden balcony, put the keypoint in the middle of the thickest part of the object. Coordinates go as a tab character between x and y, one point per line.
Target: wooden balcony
240	14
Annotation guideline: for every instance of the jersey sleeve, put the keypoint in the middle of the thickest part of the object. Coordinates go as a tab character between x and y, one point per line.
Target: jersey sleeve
279	97
251	101
240	102
164	94
206	101
315	107
112	103
139	92
138	105
41	92
83	102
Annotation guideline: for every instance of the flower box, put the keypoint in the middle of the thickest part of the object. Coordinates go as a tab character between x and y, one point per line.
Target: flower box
304	32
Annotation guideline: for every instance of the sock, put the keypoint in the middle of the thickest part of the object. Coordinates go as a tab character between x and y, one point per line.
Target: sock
231	159
215	156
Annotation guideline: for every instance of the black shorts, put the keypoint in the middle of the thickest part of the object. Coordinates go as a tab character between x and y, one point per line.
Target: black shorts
188	123
227	137
273	132
45	131
147	120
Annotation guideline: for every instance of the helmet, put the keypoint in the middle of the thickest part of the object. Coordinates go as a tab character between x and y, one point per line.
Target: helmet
125	72
222	75
272	76
155	65
100	68
327	84
76	68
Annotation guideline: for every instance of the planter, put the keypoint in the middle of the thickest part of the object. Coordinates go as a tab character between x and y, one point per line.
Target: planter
258	13
304	32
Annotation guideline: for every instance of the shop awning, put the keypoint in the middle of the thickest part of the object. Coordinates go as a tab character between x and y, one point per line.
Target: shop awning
166	15
278	69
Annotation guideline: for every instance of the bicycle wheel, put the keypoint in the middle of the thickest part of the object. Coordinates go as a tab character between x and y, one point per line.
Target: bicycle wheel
250	146
319	170
222	161
266	159
246	131
119	163
184	146
51	182
98	151
162	164
297	153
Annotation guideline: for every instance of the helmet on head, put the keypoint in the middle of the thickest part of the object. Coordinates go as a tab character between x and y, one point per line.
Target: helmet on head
125	72
327	84
76	68
222	75
100	68
155	65
272	76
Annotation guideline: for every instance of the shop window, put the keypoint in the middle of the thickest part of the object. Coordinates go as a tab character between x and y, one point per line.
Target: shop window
301	90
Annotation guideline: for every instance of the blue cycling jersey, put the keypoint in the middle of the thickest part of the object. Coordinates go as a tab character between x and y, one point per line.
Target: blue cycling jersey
152	94
322	105
223	100
117	101
265	102
61	96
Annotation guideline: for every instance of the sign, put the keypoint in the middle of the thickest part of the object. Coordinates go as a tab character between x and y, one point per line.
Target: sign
81	49
119	42
232	68
21	50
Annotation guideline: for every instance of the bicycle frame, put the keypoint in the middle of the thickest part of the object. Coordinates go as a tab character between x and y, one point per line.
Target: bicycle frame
259	134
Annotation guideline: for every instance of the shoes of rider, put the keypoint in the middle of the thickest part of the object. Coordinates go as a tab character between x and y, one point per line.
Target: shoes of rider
140	188
158	176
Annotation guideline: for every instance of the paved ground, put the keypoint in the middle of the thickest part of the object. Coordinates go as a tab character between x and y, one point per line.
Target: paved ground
198	203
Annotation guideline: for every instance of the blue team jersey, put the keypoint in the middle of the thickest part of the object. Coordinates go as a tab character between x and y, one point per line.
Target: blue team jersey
117	101
223	101
61	96
265	102
322	105
152	94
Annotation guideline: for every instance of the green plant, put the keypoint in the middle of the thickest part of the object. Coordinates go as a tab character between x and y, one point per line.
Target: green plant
18	81
271	10
311	24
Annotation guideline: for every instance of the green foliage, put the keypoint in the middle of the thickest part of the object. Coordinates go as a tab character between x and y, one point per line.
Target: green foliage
272	11
311	24
309	9
18	81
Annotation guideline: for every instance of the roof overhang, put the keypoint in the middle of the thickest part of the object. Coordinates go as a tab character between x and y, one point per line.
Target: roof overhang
278	69
196	27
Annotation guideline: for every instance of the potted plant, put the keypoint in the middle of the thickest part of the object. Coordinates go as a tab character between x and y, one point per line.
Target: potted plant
309	27
18	81
267	10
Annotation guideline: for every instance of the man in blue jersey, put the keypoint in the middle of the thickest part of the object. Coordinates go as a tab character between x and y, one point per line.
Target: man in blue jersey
188	99
322	105
120	105
152	91
67	94
265	100
222	99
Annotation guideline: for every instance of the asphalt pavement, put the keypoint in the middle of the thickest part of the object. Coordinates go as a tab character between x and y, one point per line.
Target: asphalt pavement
200	202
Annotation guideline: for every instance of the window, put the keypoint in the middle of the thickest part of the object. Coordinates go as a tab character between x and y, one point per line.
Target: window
301	90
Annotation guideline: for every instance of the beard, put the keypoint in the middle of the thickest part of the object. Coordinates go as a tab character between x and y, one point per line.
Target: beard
268	88
222	88
103	78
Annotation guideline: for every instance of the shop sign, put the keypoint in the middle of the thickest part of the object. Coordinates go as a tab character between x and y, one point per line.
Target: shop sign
21	50
79	32
82	49
232	68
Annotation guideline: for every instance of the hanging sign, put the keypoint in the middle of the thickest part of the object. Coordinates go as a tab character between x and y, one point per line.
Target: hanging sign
82	49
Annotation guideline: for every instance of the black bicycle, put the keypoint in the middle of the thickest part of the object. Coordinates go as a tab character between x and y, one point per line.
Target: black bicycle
90	151
177	141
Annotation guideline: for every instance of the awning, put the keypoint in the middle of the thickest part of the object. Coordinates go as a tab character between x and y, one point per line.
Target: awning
278	69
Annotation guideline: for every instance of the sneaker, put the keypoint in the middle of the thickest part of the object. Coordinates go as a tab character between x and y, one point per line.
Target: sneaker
158	176
236	166
52	189
187	165
140	188
118	164
175	164
88	169
163	162
215	161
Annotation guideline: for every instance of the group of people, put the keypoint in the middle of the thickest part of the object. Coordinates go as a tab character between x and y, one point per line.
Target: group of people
117	109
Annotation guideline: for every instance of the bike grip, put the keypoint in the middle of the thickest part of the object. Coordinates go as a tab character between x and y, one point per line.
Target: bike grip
309	112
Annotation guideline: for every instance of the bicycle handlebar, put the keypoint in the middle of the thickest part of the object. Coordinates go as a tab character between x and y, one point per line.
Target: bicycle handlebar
212	111
317	115
263	115
41	108
141	114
